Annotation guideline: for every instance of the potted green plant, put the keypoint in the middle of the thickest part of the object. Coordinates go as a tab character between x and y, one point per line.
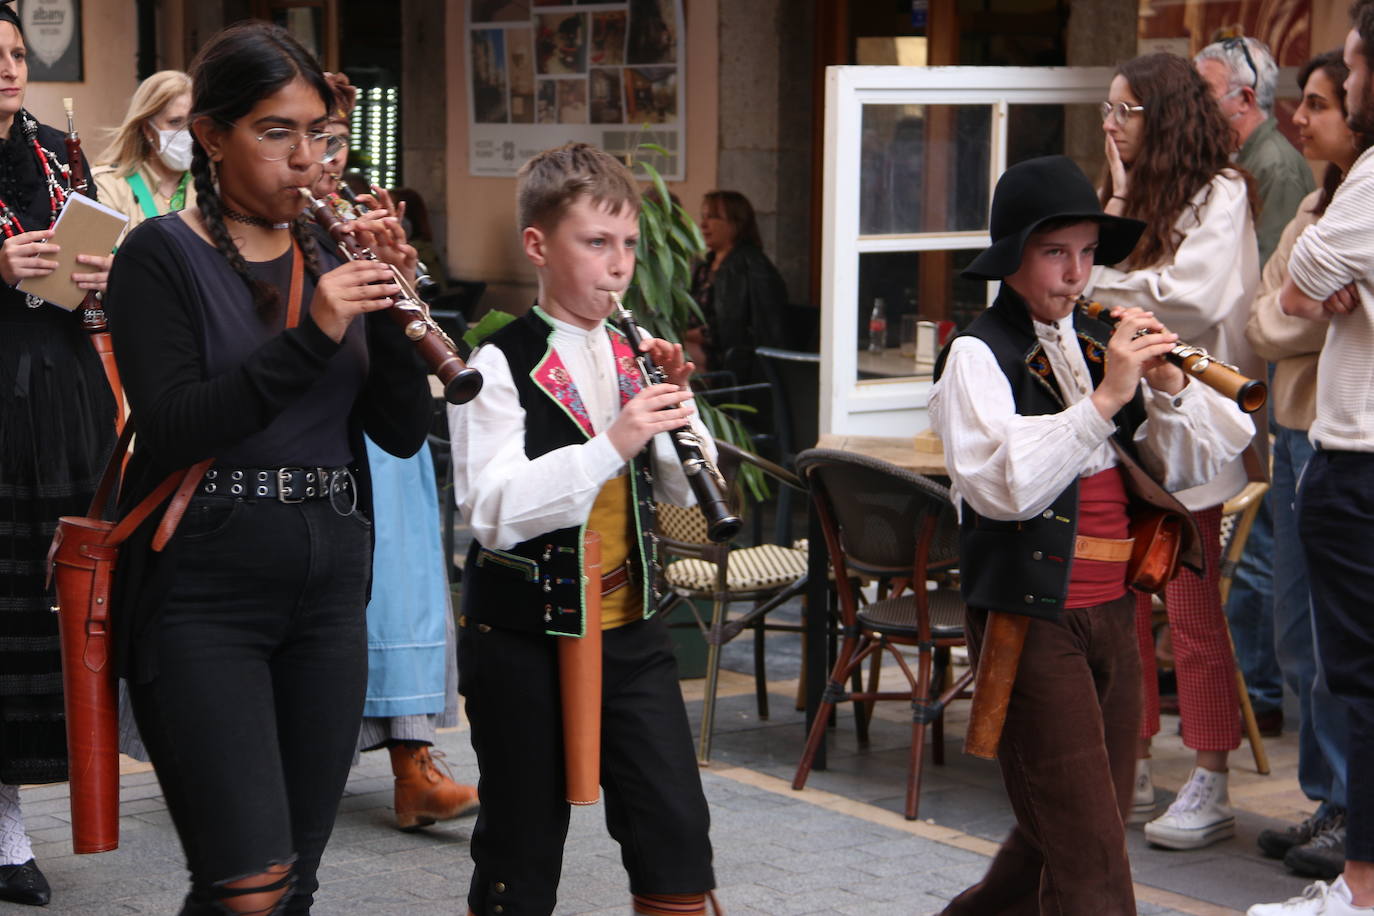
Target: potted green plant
669	241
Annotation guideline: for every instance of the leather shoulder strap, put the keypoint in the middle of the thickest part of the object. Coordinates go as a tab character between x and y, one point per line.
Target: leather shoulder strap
110	477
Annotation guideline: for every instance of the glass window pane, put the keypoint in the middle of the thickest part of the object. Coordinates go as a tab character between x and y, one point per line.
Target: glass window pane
924	300
924	168
1044	130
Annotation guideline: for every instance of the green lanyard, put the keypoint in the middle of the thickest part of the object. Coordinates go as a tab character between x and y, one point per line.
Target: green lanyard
145	196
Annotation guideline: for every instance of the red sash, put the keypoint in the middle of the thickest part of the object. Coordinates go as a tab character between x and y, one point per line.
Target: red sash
1102	503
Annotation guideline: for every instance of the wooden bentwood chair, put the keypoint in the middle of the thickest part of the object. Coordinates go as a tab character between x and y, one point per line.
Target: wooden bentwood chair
766	575
1237	516
886	523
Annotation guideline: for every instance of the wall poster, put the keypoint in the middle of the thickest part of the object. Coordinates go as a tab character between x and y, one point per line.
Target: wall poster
544	72
52	32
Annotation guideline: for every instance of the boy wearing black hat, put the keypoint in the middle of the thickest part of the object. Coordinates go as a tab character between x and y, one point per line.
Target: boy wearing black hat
1049	434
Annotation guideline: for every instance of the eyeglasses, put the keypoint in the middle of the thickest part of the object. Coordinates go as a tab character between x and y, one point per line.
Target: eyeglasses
1231	44
277	143
1120	110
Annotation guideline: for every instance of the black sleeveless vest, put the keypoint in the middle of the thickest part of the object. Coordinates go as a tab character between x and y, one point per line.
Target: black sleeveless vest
1022	567
537	586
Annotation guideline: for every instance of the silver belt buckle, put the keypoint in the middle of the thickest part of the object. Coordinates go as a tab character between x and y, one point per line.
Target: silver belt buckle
284	482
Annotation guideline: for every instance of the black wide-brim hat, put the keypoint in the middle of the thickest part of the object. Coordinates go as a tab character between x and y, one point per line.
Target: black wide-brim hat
1035	191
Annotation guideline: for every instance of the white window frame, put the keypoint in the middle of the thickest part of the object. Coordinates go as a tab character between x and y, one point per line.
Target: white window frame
898	407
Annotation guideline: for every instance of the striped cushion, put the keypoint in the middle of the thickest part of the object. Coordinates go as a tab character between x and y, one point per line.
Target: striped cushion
750	569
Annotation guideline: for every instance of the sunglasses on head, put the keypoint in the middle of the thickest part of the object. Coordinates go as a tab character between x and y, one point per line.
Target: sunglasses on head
1231	44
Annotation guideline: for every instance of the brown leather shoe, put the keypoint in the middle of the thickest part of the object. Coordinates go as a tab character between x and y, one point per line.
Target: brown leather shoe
424	793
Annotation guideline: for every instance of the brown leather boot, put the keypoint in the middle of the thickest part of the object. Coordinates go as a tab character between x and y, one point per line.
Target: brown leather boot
424	793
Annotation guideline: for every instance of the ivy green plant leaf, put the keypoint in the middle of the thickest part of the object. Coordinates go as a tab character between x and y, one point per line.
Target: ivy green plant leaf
658	296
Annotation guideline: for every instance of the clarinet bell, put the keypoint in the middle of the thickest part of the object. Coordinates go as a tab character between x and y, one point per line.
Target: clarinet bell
723	526
463	387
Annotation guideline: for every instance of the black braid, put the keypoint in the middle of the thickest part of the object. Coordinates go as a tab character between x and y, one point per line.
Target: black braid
266	299
300	229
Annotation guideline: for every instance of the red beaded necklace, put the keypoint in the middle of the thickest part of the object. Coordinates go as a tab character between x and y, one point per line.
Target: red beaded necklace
57	195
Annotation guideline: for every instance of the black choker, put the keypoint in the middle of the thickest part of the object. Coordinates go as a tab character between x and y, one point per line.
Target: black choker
247	219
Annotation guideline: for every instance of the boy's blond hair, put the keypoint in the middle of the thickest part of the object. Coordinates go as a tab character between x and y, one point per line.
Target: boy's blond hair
554	180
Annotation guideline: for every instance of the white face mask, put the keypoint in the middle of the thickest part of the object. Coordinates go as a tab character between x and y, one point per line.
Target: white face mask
174	148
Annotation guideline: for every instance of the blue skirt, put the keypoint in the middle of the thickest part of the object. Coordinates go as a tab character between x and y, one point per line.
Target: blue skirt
406	626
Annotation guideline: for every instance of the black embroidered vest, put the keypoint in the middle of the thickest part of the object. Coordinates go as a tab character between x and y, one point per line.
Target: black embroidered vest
1022	567
537	585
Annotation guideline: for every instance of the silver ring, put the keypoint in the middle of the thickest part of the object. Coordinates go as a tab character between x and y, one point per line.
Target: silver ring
1140	332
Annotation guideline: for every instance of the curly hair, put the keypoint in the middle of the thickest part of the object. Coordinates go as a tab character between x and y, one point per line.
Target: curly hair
1185	143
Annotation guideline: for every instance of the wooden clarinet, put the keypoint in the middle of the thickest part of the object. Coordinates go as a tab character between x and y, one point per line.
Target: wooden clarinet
425	285
702	474
1248	393
92	314
437	349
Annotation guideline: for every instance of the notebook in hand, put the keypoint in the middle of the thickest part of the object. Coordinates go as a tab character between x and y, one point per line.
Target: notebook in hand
84	226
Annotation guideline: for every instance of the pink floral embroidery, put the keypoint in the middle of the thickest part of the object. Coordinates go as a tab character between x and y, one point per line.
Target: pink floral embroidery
627	369
553	377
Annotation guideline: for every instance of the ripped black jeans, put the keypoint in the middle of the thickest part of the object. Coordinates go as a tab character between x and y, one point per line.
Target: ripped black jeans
262	667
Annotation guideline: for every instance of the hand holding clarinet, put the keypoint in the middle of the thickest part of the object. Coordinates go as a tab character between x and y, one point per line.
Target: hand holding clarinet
371	282
661	407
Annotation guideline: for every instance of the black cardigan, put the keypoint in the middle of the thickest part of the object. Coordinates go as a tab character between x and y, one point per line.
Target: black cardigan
155	311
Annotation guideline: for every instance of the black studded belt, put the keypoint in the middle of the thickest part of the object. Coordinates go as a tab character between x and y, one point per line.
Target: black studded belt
288	485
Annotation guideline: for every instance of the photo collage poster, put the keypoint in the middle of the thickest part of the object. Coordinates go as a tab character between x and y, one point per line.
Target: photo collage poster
546	72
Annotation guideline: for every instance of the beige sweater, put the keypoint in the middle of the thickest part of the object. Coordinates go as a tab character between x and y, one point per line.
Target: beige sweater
117	193
1292	344
1203	294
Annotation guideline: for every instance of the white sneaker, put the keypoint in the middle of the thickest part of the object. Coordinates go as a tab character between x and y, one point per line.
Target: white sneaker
1200	815
1319	899
1143	801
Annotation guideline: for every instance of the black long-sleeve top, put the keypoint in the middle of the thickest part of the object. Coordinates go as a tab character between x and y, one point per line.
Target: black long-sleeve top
745	305
167	294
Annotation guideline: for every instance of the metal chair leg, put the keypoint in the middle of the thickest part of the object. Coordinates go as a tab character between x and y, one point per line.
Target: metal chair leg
939	680
708	702
760	671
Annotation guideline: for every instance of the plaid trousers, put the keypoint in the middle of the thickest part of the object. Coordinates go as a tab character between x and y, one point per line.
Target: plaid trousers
1203	661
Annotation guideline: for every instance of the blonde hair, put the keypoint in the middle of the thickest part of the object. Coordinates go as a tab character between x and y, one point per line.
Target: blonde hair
554	180
130	148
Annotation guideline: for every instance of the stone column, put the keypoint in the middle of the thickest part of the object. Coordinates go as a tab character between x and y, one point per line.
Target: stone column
1101	33
765	125
424	106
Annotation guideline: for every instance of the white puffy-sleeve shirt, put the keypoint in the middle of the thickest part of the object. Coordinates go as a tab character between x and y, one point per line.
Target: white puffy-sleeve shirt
1010	467
506	497
1203	294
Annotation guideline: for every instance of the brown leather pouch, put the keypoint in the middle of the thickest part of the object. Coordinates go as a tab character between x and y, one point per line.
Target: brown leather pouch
81	563
1158	535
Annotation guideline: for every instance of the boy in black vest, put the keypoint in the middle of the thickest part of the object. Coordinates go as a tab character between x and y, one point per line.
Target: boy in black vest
1049	434
562	440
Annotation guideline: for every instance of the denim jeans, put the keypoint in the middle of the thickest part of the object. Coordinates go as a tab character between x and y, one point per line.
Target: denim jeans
1250	610
262	665
1322	729
1336	522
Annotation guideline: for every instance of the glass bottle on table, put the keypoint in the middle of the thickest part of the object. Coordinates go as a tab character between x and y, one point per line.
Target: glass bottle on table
877	327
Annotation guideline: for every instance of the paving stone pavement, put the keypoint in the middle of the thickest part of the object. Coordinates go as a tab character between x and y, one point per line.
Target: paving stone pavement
776	854
839	847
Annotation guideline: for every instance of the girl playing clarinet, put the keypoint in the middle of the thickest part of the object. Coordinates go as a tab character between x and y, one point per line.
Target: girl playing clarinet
241	338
